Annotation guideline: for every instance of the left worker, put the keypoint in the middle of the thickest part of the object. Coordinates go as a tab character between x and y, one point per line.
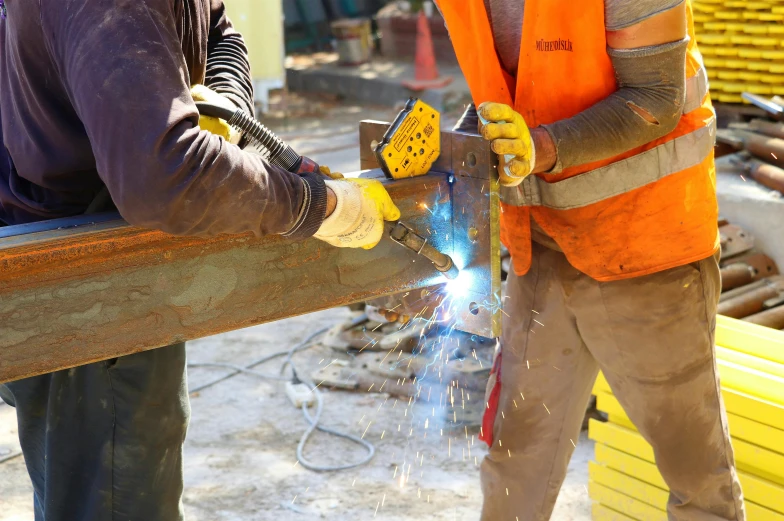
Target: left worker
97	98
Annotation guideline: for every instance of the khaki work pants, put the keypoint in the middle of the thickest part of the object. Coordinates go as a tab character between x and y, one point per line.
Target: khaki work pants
652	337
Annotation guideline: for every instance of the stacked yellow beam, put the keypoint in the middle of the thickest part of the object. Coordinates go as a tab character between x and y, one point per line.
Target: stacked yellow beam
742	42
624	481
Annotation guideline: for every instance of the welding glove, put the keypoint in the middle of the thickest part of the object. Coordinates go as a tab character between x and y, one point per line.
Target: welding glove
358	219
511	141
215	125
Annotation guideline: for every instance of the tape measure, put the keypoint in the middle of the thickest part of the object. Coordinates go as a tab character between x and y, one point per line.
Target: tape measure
412	143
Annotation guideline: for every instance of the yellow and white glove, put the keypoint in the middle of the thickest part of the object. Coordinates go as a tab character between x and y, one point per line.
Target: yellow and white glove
215	125
511	141
358	220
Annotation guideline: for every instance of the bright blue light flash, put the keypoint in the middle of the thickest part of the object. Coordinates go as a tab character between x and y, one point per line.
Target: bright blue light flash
458	288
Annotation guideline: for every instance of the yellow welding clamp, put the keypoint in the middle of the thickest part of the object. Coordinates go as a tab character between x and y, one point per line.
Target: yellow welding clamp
412	143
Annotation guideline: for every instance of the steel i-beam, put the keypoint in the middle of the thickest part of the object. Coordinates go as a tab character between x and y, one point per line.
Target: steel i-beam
79	290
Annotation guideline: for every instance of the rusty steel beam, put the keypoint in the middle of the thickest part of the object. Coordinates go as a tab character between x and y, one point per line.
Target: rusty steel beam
88	289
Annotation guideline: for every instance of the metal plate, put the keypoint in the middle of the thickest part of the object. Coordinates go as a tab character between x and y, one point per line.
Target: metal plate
475	297
734	241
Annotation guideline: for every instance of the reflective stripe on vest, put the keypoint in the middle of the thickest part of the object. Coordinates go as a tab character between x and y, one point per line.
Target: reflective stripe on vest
629	174
696	90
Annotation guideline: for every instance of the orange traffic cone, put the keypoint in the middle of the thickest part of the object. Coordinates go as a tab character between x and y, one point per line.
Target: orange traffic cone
426	71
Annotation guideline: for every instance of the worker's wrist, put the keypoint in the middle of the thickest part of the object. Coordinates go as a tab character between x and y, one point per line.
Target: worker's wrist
332	201
313	209
347	211
546	153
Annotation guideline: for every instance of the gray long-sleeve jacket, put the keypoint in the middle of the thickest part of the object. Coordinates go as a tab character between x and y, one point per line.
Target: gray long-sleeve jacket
98	92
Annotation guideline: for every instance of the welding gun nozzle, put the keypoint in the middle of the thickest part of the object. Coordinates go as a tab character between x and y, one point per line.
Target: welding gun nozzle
405	236
449	270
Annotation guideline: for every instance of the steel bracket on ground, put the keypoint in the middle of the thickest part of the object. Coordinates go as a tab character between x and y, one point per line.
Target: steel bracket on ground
90	288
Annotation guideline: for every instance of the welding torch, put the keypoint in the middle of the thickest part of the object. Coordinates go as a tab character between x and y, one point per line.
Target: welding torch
405	236
282	155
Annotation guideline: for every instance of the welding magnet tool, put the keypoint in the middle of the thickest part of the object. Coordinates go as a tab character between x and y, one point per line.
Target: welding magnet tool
405	236
412	143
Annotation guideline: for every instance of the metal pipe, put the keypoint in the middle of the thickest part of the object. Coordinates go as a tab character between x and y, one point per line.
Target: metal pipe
748	303
736	275
733	293
766	175
767	128
773	317
769	149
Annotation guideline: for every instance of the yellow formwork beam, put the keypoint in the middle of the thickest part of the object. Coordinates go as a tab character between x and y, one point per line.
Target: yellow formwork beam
751	339
629	464
755	489
747	406
746	386
750	381
621	419
627	486
749	458
622	503
741	428
750	361
736	402
600	512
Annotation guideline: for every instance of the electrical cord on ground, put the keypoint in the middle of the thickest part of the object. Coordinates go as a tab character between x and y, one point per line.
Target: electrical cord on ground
240	369
288	353
313	421
314	425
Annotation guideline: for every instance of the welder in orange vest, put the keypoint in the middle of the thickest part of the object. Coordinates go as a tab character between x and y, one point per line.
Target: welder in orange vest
600	116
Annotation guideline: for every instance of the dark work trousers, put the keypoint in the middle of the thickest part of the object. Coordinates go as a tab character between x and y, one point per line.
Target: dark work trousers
103	442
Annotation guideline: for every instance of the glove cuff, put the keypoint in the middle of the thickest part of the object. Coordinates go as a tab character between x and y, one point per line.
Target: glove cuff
348	209
313	209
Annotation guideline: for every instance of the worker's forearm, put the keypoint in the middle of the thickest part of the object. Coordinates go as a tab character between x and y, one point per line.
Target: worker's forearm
216	188
546	154
647	106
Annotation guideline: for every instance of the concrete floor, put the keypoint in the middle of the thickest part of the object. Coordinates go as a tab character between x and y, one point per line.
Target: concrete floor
240	452
240	461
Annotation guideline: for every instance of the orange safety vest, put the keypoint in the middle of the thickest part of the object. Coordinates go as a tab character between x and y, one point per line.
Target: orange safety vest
644	211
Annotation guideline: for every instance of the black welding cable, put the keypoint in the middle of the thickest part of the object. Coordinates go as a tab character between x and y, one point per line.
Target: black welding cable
278	152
